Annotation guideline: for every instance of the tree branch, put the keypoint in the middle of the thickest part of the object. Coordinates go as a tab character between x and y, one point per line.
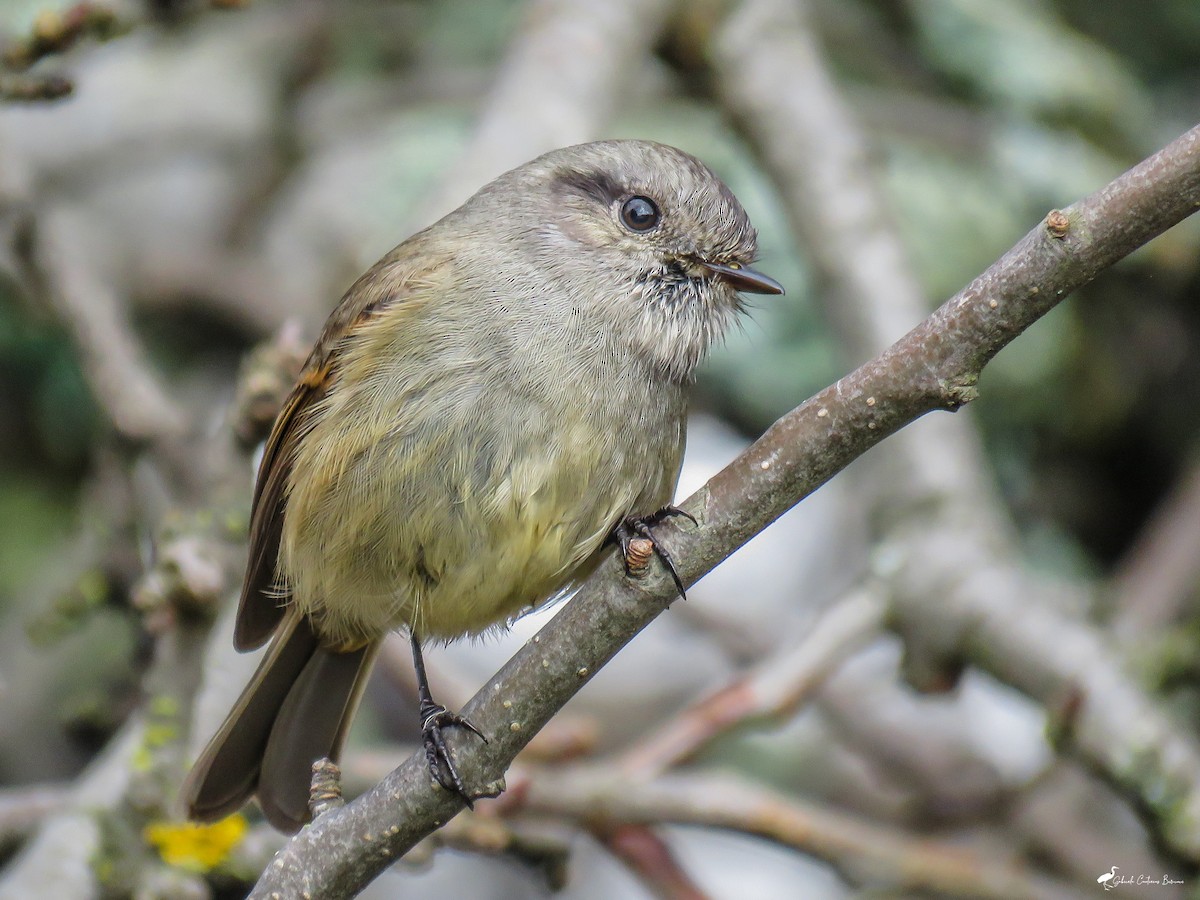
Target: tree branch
958	590
1153	583
865	853
648	856
772	690
126	388
23	808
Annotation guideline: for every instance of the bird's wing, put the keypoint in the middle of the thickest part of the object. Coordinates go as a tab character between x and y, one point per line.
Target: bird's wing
264	597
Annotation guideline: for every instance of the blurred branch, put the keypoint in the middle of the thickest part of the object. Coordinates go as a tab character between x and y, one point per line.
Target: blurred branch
958	591
774	81
55	32
544	850
134	780
935	366
1067	822
1161	572
913	749
564	73
649	857
23	88
125	386
772	690
863	852
229	283
928	754
22	809
58	861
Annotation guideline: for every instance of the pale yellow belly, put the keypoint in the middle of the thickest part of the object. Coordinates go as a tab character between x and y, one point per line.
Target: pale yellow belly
363	558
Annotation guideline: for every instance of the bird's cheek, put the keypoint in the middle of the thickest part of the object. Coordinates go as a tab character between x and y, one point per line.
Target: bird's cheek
570	230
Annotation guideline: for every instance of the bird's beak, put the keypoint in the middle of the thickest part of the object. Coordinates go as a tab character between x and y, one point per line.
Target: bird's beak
743	278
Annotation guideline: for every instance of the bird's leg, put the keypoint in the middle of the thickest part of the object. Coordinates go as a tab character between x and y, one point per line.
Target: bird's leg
642	526
435	718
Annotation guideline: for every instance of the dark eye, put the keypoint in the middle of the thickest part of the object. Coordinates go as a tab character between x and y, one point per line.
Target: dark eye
639	214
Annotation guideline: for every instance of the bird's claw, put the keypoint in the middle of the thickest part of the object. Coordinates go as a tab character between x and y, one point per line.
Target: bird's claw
434	719
642	526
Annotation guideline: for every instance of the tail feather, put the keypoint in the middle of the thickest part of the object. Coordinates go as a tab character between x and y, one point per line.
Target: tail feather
312	723
296	709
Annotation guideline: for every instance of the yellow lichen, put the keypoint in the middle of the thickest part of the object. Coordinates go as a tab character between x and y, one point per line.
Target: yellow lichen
196	848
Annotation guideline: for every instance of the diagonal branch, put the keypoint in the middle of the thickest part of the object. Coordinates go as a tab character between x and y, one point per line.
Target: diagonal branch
126	387
958	591
935	366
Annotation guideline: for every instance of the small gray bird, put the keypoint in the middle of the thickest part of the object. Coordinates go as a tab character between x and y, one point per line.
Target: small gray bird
486	407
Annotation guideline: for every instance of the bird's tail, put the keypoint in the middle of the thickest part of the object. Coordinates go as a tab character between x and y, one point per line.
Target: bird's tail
296	709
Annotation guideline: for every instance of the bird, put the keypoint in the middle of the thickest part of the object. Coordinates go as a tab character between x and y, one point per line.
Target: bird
1106	878
487	411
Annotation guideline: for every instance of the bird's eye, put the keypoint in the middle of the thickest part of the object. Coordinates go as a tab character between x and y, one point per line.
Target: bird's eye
639	214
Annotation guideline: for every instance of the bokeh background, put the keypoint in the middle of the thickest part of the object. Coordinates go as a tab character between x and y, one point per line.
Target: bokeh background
173	232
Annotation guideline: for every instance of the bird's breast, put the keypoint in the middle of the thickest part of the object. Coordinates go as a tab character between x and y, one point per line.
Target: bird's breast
446	488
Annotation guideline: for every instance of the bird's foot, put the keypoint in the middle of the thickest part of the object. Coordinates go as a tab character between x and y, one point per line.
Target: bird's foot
435	718
632	527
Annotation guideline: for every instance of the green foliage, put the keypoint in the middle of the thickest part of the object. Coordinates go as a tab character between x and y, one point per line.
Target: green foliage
52	412
34	513
1020	56
1020	106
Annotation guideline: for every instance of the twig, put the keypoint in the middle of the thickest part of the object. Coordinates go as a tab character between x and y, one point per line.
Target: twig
935	366
865	853
57	32
771	691
24	88
1162	569
23	808
113	360
649	857
325	792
